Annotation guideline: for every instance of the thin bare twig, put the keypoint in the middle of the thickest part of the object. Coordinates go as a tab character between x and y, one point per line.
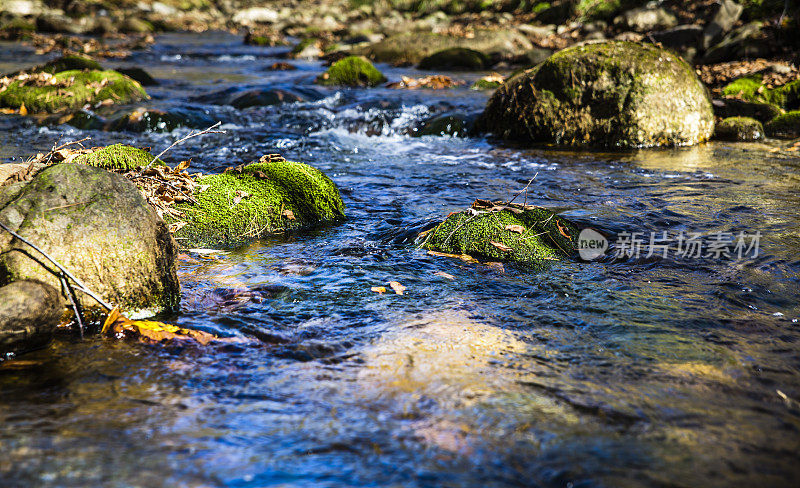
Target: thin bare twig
185	138
81	285
525	190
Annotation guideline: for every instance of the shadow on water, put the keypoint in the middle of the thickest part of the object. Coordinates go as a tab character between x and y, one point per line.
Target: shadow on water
638	371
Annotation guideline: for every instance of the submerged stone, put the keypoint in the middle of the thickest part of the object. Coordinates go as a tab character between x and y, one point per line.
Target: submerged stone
259	199
616	94
352	71
505	232
97	225
455	58
739	129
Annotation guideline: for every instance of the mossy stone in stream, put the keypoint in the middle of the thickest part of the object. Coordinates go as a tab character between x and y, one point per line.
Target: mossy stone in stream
495	235
614	94
352	71
739	129
117	156
72	90
455	58
784	126
483	84
258	199
69	63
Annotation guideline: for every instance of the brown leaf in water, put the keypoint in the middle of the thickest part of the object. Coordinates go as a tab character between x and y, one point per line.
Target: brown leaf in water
515	228
379	289
500	245
464	257
397	287
445	275
151	331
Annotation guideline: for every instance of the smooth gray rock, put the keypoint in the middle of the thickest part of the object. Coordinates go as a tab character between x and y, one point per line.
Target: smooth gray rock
97	225
646	19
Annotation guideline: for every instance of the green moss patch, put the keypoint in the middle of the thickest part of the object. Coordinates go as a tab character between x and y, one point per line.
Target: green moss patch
483	84
70	90
259	199
505	233
455	58
69	63
739	129
117	156
786	125
352	71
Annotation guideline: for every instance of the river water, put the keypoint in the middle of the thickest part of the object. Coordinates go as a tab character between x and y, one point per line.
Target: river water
624	372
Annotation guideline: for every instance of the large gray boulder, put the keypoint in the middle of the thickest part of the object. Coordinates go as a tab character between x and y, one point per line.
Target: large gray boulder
29	313
614	94
97	225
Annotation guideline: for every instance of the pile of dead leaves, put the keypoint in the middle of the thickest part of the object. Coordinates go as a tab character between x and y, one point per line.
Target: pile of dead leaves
433	82
163	186
35	79
120	47
717	76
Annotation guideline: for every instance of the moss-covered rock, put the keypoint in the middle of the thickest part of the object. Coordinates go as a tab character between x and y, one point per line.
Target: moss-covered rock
785	126
117	157
352	71
484	84
70	90
739	129
527	235
69	63
459	58
616	94
256	200
733	107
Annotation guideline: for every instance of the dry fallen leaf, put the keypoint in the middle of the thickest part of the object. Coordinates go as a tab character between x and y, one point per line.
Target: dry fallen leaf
288	214
181	166
238	196
23	110
397	287
151	331
379	289
500	245
464	257
516	228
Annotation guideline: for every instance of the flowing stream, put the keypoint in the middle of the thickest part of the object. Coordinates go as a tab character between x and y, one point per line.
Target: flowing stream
629	372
